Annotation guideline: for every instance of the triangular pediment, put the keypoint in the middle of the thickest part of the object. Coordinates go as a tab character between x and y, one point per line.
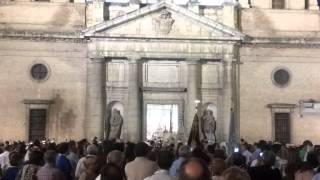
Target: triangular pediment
163	20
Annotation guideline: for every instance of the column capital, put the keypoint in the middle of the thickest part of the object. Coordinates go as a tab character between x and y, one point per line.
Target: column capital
97	60
193	61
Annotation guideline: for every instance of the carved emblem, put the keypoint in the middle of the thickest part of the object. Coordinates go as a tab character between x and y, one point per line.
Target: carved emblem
163	23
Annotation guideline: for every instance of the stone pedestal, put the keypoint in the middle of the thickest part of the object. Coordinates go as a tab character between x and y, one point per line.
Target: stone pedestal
134	100
193	92
244	3
95	99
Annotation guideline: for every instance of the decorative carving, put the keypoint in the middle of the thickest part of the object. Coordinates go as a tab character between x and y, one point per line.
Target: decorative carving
163	24
115	123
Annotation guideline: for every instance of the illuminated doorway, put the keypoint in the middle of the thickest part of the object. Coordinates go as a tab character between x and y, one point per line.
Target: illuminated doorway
161	118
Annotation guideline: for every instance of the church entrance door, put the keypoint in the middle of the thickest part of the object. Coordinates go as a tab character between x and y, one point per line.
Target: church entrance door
161	118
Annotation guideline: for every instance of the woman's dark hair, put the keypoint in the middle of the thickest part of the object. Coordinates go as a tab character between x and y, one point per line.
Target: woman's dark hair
165	159
129	152
15	158
36	157
111	171
198	153
237	159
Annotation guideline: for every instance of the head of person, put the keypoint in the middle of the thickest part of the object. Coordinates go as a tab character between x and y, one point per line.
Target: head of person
200	154
165	159
90	163
217	167
115	157
92	149
72	146
15	158
141	149
183	151
239	160
111	171
63	148
235	173
307	144
35	156
50	157
194	169
244	147
268	158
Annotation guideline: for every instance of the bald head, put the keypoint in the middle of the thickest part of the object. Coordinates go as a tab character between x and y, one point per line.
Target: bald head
194	169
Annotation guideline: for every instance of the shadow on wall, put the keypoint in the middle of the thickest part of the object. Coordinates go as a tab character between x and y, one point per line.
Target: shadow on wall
260	23
61	17
64	118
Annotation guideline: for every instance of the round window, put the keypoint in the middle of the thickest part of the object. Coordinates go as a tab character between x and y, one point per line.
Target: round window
39	72
281	77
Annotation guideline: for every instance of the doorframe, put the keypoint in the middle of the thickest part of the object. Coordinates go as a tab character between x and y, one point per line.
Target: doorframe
280	108
180	104
37	104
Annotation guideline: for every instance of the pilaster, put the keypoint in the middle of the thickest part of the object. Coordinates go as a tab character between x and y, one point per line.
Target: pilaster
134	100
95	99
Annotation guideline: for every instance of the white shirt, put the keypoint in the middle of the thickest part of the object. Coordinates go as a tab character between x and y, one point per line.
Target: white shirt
4	160
161	175
80	166
248	155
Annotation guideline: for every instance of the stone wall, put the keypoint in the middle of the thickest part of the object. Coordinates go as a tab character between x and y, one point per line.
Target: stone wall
257	90
42	16
65	86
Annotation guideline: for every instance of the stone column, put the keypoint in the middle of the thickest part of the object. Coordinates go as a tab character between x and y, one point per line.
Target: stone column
193	92
227	95
95	99
134	100
313	5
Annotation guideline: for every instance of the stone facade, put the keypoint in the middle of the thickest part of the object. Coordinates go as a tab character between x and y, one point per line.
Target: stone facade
105	55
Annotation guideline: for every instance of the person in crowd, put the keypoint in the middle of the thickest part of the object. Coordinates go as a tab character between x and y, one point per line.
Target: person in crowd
237	159
164	161
115	157
49	170
72	155
183	153
91	168
92	151
140	167
15	160
244	149
194	169
111	171
199	153
307	171
29	170
218	166
307	147
62	161
129	152
266	171
235	173
4	158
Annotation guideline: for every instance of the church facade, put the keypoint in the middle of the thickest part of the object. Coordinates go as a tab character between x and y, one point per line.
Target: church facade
66	66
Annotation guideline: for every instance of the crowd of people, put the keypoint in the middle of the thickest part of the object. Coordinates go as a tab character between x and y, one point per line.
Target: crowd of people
112	160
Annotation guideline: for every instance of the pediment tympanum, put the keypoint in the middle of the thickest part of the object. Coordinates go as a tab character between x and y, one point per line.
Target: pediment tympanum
163	20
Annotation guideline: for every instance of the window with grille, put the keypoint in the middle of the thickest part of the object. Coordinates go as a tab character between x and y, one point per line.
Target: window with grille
278	4
37	124
282	127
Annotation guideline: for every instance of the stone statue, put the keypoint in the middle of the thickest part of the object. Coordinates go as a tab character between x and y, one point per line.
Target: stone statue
208	126
115	124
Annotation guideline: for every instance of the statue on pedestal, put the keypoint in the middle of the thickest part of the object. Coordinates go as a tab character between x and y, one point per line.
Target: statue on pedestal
208	126
115	123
